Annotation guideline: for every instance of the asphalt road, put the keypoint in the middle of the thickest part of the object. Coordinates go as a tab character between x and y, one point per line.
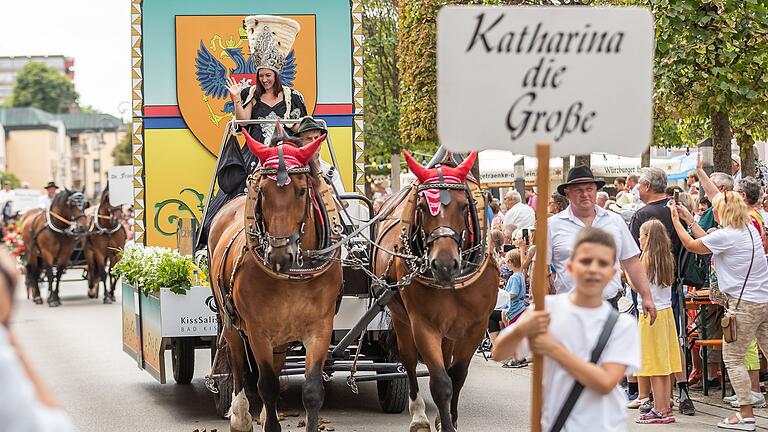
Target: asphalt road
77	349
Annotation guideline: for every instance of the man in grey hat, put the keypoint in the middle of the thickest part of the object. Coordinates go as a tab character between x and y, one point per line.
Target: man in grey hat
308	130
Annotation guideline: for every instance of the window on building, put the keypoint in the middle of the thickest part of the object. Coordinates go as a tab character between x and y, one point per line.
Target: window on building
97	165
96	188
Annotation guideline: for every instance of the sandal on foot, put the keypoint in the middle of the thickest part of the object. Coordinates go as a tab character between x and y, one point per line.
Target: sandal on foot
652	417
742	424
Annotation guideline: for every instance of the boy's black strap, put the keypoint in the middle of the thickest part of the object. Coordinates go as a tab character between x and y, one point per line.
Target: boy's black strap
578	387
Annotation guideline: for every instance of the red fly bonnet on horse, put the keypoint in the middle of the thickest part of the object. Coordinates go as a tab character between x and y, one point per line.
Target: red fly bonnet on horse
442	176
279	161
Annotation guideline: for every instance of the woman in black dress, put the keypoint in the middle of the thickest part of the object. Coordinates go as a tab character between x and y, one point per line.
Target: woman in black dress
267	99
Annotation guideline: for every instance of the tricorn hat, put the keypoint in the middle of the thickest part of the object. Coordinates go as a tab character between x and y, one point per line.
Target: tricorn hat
308	124
51	184
580	174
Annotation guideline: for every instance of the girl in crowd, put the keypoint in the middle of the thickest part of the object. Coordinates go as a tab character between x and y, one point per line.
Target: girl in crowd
660	352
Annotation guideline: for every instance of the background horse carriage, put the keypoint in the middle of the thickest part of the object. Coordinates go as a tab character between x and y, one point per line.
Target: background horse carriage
66	238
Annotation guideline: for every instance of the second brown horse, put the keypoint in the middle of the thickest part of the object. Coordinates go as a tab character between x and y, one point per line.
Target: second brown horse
441	316
102	247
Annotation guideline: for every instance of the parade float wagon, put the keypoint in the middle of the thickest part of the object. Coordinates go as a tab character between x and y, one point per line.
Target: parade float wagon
177	130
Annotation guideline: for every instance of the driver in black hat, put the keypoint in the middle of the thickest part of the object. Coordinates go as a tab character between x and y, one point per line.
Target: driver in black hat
44	202
581	192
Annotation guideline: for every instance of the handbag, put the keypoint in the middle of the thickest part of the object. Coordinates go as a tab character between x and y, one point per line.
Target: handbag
728	322
578	388
694	269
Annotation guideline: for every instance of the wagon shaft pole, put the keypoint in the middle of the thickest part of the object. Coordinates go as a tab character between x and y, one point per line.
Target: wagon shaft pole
378	306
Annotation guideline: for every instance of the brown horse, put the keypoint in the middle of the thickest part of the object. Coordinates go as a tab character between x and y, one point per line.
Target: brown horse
267	293
50	236
106	238
441	316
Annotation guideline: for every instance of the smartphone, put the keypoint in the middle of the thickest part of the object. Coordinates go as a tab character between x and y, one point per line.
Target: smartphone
525	235
508	247
677	197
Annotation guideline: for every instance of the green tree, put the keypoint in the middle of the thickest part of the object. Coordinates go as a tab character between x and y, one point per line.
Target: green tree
710	66
41	86
382	83
123	152
10	177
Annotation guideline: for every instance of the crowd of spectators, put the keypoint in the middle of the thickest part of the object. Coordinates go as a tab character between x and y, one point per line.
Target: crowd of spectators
670	244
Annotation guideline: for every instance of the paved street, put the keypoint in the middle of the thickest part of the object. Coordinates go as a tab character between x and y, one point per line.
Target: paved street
77	349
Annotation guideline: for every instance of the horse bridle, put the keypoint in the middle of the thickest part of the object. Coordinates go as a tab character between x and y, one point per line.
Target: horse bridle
442	231
111	211
77	200
265	241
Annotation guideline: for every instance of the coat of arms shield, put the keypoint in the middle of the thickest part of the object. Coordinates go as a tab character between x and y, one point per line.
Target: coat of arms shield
209	49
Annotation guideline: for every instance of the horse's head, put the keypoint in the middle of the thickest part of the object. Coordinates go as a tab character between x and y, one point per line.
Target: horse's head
71	205
107	211
443	212
283	209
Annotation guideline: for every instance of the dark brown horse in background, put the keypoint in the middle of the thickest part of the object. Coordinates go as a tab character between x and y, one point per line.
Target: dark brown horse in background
102	247
268	295
441	316
50	236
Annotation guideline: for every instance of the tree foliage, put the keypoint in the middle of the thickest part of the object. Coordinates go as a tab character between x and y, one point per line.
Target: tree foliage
382	81
41	86
10	177
123	152
709	68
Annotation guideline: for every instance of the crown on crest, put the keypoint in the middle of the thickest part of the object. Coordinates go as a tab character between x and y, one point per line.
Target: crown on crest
270	39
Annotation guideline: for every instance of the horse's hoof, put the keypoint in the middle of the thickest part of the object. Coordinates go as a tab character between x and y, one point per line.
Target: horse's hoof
112	297
107	300
54	303
92	295
38	300
420	427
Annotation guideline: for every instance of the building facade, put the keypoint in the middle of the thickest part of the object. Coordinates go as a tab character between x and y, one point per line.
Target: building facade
10	67
74	150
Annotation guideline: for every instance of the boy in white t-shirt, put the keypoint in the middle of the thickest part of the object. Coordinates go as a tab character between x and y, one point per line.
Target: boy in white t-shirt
567	332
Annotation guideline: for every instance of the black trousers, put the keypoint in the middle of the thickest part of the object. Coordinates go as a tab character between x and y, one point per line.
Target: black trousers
493	321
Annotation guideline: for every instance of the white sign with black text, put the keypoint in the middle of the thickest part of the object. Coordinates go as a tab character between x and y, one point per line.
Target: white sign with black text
25	199
121	185
192	314
578	78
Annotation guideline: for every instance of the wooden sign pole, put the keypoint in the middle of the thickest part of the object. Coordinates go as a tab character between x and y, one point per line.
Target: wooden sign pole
540	282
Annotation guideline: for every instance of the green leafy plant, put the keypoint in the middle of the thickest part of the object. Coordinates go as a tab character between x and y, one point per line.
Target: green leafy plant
150	268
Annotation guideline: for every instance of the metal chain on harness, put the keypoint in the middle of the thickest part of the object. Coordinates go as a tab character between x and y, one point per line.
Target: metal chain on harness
351	381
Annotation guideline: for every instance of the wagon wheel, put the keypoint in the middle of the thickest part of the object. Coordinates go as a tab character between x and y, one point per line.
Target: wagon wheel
222	399
393	394
183	359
